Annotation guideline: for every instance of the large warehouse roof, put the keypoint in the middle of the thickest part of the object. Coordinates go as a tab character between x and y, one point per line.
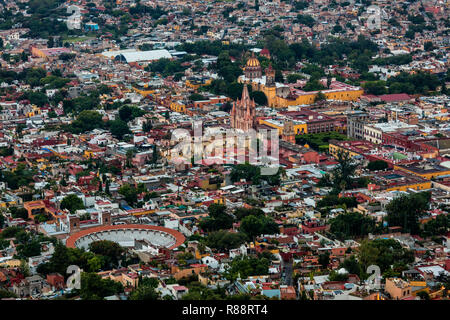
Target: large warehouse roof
137	56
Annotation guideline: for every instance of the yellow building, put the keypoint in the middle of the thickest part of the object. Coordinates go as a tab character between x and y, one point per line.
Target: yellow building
13	263
144	91
415	186
426	171
141	212
334	149
88	154
35	111
279	125
178	106
276	101
9	200
197	83
264	244
419	286
199	255
280	96
220	200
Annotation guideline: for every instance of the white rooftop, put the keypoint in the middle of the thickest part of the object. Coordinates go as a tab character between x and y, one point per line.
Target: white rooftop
136	56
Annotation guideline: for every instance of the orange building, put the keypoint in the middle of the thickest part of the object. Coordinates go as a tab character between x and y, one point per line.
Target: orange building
398	288
37	207
183	273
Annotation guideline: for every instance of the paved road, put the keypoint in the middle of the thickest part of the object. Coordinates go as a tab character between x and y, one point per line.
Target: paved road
286	269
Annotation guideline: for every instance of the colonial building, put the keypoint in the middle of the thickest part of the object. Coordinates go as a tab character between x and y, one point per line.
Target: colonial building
355	125
243	112
281	95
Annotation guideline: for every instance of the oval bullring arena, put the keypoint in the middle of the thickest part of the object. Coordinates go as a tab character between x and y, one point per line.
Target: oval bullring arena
126	235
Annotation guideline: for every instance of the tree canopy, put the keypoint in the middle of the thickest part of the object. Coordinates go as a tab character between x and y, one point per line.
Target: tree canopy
224	240
218	219
405	211
72	203
245	266
93	287
254	226
351	224
384	253
377	165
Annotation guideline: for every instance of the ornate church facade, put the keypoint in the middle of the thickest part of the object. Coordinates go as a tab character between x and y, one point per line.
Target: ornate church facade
243	112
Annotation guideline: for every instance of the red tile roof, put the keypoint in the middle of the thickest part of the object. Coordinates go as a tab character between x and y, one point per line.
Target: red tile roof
395	97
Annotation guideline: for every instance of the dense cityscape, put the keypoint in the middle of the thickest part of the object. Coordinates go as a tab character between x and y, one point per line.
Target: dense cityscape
224	150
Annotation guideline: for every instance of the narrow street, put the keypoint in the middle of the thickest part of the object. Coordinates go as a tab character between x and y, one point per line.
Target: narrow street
286	272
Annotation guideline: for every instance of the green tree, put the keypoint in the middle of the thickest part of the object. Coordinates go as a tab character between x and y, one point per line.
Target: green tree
29	248
406	210
111	250
93	287
293	77
438	226
384	253
352	265
313	85
306	20
6	293
320	97
377	165
127	113
64	257
118	128
95	263
259	97
245	266
196	97
246	171
367	254
147	126
72	203
344	171
423	295
144	292
254	226
324	259
130	193
279	76
352	224
218	219
242	212
335	276
37	98
224	240
87	120
375	87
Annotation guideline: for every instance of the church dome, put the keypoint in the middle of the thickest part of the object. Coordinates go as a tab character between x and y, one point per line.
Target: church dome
253	62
